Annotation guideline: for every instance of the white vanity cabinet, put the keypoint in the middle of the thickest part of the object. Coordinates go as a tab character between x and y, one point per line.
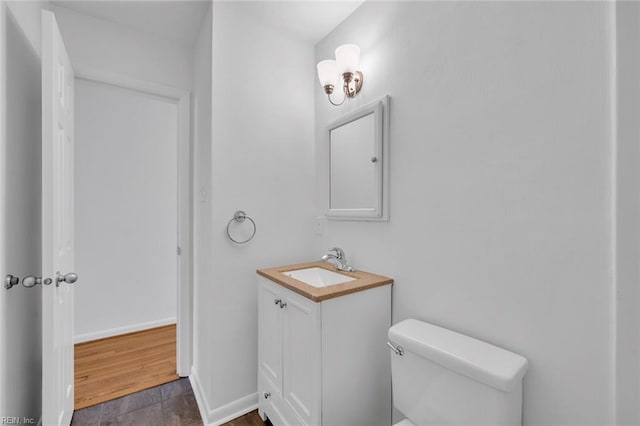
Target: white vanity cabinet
323	362
289	355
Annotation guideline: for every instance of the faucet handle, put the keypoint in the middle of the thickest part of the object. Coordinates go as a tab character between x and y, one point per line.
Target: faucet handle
339	252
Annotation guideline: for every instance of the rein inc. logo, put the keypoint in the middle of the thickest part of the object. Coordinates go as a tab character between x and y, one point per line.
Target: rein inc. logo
15	420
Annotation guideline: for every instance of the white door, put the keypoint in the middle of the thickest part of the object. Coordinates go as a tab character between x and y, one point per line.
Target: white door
57	226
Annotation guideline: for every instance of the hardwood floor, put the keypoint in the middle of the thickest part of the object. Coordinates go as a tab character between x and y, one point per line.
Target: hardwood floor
110	368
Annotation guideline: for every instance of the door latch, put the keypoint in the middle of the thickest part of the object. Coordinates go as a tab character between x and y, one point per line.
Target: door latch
32	281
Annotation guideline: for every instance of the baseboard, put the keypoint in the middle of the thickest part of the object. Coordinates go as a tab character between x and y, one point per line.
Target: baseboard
226	413
200	399
234	409
87	337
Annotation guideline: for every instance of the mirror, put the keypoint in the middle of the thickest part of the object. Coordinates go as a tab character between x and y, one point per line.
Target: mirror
358	164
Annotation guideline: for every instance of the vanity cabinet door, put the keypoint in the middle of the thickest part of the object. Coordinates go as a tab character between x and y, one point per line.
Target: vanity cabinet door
289	356
270	317
302	358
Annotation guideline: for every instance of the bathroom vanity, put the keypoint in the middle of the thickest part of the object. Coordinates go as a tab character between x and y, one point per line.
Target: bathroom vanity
322	353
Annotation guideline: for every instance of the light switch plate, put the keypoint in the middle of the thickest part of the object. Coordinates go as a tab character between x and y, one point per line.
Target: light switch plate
318	225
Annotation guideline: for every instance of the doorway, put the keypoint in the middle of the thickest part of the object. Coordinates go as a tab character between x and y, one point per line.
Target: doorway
132	140
129	39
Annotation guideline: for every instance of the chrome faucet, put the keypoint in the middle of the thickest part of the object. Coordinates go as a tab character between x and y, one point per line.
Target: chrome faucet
338	259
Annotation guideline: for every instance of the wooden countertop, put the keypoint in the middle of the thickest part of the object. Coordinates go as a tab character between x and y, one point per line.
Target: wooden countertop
363	281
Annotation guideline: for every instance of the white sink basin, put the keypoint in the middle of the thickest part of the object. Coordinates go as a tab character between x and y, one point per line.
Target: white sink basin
318	277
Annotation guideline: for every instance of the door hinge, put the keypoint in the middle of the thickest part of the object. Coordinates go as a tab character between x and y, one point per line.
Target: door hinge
179	251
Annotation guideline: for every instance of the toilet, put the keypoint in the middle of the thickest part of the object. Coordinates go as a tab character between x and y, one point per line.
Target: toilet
440	377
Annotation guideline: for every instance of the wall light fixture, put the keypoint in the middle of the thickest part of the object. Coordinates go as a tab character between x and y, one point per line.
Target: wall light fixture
343	70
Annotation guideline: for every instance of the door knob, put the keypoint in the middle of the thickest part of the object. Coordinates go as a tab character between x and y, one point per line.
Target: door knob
10	281
32	281
69	278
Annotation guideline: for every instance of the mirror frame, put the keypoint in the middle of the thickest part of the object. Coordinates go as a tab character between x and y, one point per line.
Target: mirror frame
380	211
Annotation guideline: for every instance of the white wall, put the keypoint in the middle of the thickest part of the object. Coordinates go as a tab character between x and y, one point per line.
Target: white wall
262	163
20	136
501	200
109	47
125	210
202	214
628	213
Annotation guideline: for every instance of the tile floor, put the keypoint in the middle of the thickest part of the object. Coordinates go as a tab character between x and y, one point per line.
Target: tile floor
249	419
172	404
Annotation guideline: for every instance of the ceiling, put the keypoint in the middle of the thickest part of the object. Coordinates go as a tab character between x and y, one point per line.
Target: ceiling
179	20
311	20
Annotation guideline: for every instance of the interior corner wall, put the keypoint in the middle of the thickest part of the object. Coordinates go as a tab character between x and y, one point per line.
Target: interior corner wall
202	227
100	45
628	213
262	163
501	183
20	312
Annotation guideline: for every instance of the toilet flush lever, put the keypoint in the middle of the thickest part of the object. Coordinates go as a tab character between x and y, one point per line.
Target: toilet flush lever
397	349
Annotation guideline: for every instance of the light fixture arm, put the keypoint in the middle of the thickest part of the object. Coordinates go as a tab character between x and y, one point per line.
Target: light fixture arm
351	85
333	103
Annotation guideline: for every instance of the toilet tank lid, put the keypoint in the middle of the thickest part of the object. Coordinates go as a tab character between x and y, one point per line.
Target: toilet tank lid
481	361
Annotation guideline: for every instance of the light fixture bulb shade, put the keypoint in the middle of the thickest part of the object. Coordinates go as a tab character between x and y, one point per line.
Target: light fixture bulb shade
347	58
328	72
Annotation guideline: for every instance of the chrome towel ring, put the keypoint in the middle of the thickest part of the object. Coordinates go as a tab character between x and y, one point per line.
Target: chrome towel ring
239	217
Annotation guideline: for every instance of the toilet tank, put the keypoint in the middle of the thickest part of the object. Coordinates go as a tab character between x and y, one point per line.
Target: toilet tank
444	377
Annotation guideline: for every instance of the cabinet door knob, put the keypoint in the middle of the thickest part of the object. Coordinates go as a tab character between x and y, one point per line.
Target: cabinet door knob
267	395
277	301
283	305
